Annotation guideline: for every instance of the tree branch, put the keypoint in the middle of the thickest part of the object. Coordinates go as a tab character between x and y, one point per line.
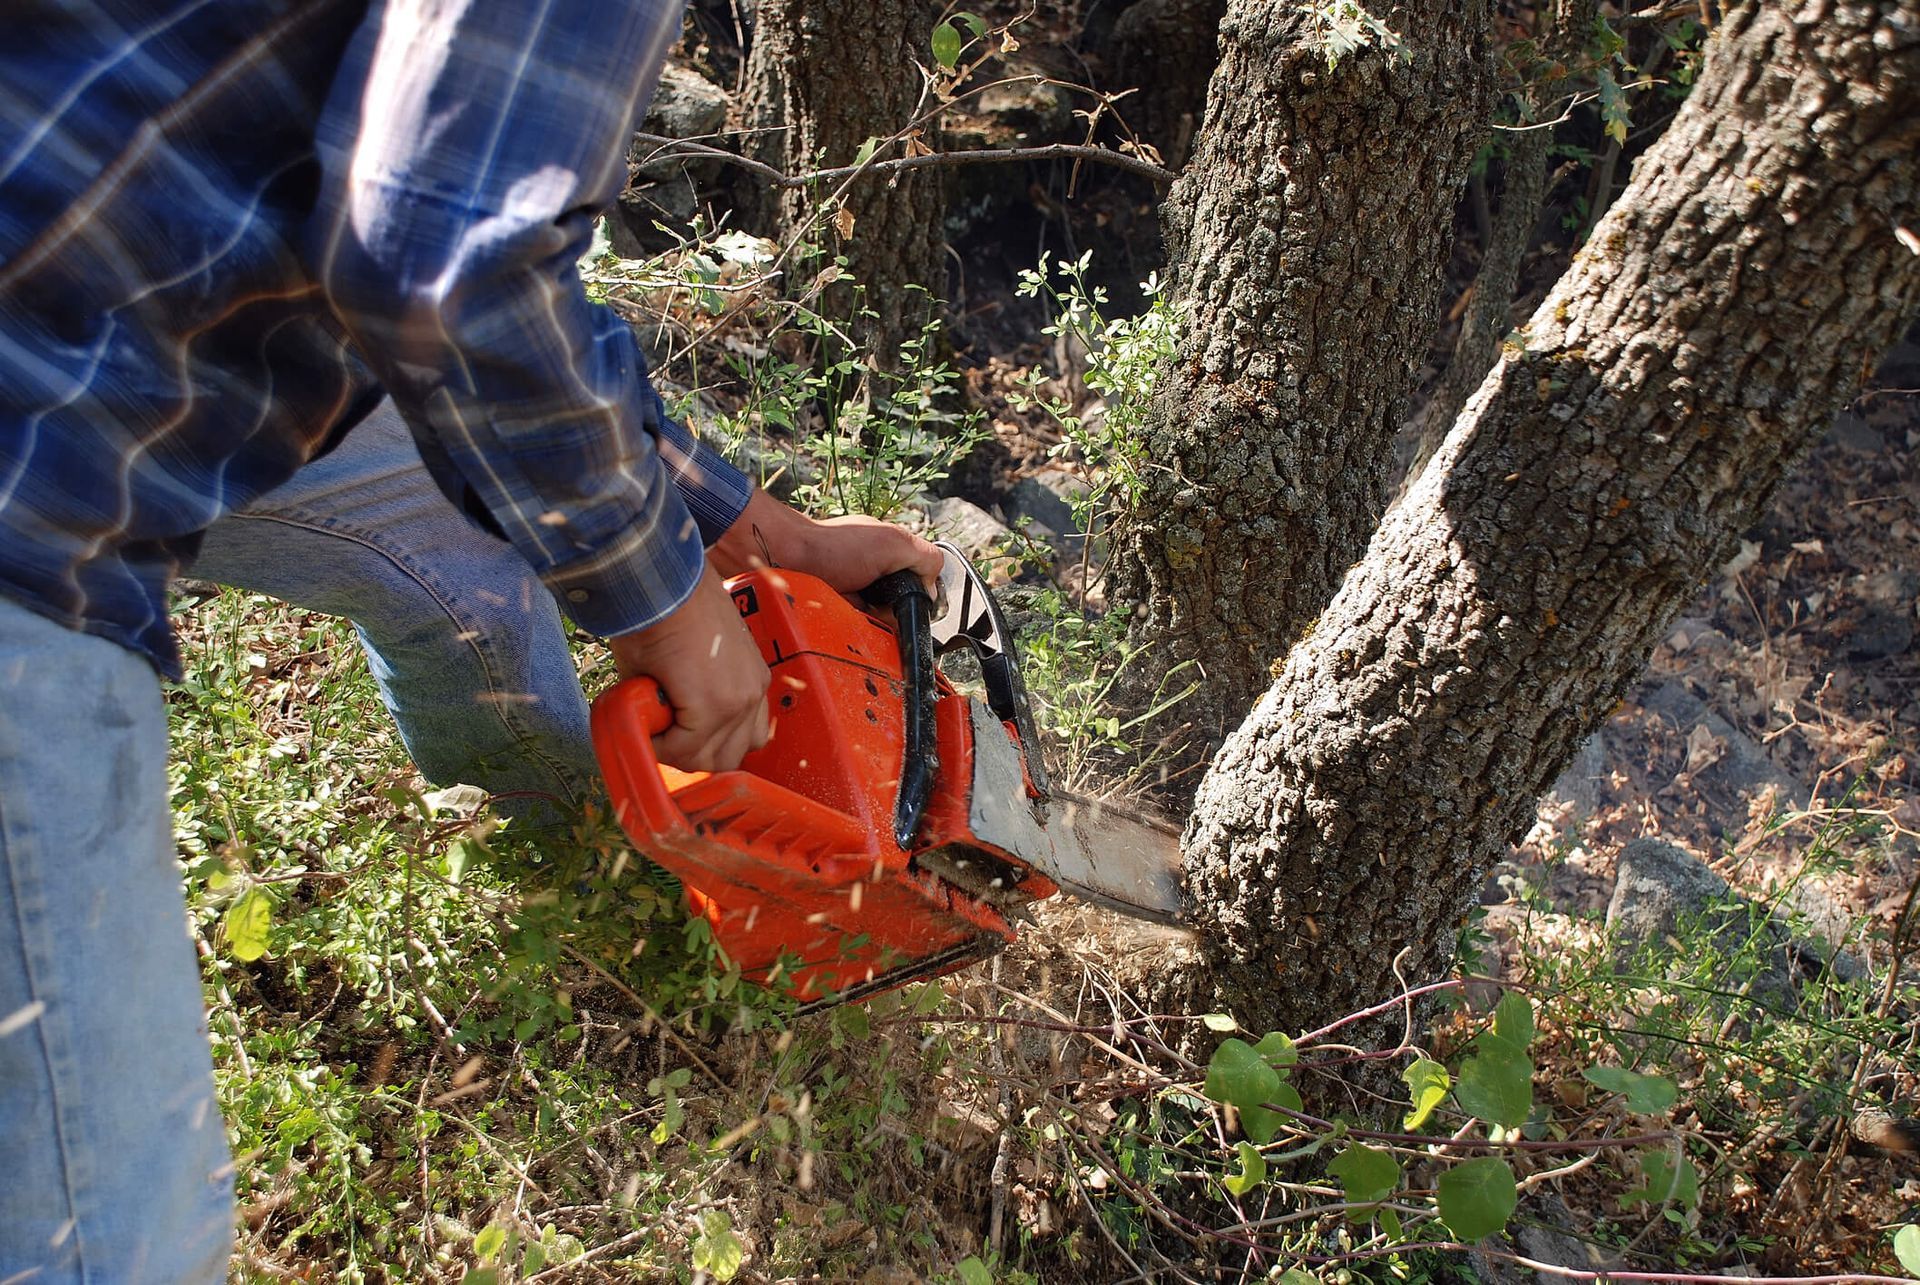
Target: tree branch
673	148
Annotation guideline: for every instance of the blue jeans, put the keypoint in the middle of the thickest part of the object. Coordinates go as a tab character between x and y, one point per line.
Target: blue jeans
113	1160
464	641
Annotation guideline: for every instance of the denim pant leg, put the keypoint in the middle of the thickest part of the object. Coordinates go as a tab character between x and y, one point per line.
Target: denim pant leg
465	642
113	1157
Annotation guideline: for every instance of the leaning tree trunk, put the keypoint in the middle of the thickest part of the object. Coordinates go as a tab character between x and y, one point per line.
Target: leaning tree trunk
823	78
1724	310
1307	241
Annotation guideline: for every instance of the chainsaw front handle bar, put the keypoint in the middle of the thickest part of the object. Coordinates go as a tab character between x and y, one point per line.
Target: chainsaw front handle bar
912	606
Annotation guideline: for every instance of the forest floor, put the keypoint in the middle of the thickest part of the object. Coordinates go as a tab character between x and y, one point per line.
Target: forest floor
1776	736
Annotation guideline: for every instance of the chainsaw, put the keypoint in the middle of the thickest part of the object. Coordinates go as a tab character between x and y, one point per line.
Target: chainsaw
893	827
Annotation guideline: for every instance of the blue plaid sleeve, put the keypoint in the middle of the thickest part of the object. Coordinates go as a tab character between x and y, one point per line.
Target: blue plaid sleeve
465	151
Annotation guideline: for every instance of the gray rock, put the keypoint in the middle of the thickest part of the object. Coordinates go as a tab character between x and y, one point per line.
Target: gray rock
666	191
644	208
1035	110
977	532
1856	435
1545	1230
1894	587
1826	923
1875	631
1659	884
1744	768
1581	783
1900	367
687	105
1661	888
1047	499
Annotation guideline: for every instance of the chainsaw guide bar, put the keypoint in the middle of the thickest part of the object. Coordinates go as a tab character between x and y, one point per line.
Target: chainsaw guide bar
893	827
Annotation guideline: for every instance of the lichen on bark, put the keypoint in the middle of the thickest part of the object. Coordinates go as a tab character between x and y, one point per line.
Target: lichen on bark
1306	242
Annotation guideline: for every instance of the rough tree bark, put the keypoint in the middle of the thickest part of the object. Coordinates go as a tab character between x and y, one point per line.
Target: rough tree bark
1307	241
823	77
1764	253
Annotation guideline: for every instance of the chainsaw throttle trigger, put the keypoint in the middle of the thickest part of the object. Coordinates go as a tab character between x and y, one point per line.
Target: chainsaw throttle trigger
968	613
920	755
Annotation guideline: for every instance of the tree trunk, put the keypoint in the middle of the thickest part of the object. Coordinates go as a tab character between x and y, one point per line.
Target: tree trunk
1166	51
1722	313
1307	241
823	78
1563	29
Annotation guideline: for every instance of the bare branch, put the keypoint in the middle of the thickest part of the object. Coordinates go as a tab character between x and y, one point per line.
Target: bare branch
673	148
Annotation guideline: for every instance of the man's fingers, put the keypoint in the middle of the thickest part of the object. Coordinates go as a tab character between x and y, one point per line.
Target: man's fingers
718	746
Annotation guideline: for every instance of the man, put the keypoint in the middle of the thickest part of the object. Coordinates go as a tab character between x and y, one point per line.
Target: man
225	227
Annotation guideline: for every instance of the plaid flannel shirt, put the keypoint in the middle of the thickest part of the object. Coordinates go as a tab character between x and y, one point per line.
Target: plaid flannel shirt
226	224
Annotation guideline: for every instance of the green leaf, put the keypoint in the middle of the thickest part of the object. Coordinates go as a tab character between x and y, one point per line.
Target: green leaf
1277	1049
1477	1197
1261	1124
861	157
946	45
851	1021
249	925
1366	1174
1496	1084
1665	1181
1645	1094
1513	1019
972	1271
1607	41
481	1276
491	1240
1220	1022
1906	1248
1390	1224
1294	1276
1615	113
716	1250
1428	1081
1253	1170
973	22
1238	1074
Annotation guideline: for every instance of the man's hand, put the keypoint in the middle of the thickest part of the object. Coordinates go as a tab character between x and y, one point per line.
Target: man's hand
848	553
703	655
713	675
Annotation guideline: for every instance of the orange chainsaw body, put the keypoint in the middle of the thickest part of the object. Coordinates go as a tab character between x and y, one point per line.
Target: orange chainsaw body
791	858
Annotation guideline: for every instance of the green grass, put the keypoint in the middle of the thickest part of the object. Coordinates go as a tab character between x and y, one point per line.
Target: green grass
455	1049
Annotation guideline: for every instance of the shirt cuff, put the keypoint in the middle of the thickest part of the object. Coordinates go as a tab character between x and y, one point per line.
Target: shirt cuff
637	579
714	491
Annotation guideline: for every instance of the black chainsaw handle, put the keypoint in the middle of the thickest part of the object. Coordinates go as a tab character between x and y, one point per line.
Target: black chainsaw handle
912	607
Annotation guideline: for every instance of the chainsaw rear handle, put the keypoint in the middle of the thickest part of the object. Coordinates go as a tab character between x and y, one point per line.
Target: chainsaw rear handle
630	714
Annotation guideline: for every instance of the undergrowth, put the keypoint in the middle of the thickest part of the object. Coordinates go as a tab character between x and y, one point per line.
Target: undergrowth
452	1047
